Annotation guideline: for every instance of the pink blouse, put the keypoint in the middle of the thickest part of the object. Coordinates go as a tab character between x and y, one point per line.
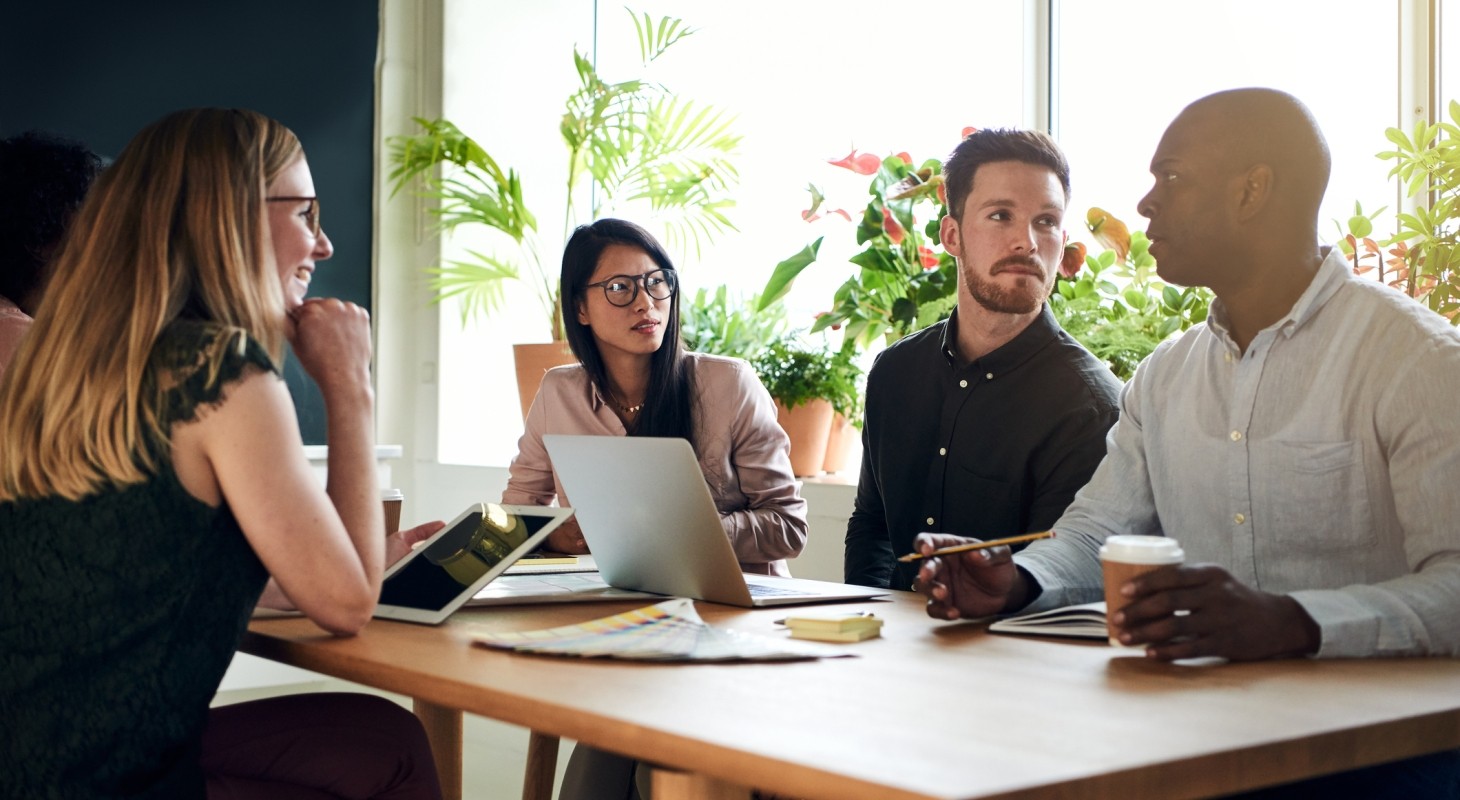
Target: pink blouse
13	325
744	454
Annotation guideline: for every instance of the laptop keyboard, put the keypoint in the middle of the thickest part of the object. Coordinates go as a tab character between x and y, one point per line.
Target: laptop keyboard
762	590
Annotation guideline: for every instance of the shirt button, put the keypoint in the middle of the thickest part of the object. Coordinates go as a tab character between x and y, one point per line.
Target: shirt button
942	451
988	376
1236	436
1227	356
930	520
1239	518
963	384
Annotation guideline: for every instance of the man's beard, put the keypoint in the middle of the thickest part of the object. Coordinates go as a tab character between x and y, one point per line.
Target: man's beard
1001	300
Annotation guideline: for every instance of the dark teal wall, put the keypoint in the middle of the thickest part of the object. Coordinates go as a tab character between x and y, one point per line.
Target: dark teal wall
98	71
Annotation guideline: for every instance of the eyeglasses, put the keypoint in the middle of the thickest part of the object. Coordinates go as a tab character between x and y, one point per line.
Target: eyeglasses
622	290
311	214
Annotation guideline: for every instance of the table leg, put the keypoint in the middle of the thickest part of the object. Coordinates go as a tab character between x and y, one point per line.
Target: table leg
443	728
670	785
542	767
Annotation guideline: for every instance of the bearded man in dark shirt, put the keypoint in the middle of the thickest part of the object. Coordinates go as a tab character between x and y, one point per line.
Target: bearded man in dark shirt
985	424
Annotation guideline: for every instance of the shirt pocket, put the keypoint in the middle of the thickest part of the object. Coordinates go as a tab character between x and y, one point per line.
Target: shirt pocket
1318	495
981	507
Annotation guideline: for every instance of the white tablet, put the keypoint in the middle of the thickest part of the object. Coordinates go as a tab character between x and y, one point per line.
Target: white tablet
438	576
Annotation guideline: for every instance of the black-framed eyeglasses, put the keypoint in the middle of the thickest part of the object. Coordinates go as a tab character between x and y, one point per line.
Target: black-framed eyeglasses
310	214
622	290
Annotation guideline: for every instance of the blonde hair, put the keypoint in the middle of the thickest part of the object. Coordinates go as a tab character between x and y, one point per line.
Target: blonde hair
175	227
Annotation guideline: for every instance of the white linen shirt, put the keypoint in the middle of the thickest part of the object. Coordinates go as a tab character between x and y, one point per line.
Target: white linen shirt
1323	463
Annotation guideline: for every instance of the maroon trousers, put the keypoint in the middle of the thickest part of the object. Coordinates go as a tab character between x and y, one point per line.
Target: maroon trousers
317	747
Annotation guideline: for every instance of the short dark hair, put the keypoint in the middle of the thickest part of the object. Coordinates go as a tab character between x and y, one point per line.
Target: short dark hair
992	145
43	179
669	403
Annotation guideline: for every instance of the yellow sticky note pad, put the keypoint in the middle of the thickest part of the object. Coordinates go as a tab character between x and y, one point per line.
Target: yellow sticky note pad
834	627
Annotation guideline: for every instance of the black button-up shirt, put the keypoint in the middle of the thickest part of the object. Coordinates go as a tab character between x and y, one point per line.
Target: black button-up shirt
995	448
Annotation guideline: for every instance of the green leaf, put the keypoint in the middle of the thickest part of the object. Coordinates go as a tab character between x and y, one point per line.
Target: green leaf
1171	297
785	272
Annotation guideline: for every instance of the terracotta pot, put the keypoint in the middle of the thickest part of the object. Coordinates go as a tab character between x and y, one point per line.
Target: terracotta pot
532	361
838	444
808	425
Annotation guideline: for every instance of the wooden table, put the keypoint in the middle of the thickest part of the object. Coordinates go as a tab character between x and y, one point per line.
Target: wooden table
930	710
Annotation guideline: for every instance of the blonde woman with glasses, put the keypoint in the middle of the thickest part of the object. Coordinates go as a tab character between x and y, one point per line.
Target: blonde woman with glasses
152	480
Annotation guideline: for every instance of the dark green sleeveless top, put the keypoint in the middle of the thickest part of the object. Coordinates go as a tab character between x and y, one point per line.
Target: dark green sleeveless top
119	613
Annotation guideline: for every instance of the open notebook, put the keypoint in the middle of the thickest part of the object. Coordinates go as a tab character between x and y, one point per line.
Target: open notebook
1085	621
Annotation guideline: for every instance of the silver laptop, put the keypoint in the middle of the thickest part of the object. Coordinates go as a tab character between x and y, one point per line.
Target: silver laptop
648	517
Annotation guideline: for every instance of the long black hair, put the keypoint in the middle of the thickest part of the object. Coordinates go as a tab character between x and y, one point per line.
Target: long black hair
669	403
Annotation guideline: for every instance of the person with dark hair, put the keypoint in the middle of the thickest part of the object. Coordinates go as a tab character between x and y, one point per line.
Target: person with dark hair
43	179
153	487
985	424
1301	445
620	296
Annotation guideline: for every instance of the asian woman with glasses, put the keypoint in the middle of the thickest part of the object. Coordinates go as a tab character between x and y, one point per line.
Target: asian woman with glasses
152	481
620	296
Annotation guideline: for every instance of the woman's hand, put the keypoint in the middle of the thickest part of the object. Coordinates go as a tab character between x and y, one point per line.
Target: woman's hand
331	339
399	544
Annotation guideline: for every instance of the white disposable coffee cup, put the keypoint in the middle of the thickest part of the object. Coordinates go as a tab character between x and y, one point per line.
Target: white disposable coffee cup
391	500
1123	558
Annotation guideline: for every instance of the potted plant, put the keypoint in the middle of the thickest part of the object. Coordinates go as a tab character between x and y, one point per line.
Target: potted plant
905	281
630	142
1424	254
809	385
711	322
1114	304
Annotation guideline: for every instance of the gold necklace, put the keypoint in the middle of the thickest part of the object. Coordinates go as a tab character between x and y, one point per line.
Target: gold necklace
624	408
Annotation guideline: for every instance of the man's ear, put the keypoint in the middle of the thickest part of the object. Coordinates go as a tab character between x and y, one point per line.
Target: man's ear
1255	191
951	236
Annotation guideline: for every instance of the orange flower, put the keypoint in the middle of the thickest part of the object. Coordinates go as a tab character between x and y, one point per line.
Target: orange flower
1073	259
860	163
928	257
969	131
1109	231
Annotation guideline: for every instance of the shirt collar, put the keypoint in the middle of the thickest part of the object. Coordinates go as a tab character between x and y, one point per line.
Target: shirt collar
1332	274
596	398
1014	352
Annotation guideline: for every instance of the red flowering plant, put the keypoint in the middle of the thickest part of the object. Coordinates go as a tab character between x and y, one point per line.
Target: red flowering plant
905	281
1113	303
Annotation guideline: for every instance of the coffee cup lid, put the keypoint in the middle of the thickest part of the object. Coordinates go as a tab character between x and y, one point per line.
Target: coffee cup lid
392	494
1142	550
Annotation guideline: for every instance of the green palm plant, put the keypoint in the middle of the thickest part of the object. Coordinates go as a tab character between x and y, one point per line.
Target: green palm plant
633	143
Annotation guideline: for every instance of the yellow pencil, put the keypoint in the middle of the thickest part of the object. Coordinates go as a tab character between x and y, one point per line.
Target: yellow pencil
963	548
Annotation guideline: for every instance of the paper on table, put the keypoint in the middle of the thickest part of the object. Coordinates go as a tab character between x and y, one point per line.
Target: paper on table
667	631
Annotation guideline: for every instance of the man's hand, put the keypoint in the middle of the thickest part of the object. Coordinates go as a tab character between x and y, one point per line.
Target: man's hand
1224	618
398	544
977	583
567	538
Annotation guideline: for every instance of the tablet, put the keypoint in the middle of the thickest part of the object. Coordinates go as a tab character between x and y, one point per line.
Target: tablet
444	572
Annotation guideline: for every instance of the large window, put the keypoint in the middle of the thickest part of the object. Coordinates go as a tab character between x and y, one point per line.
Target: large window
1123	76
811	81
